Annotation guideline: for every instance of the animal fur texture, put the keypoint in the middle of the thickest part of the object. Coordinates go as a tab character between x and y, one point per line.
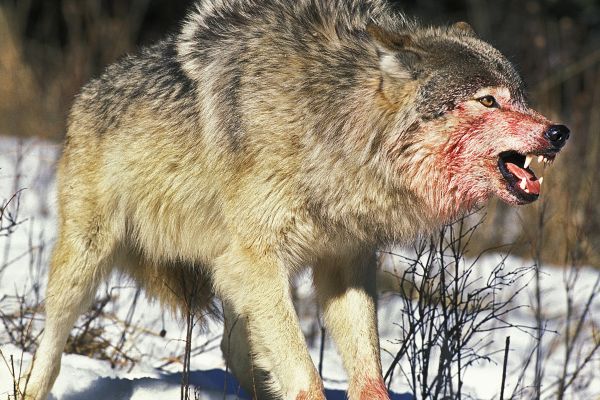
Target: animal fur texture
269	136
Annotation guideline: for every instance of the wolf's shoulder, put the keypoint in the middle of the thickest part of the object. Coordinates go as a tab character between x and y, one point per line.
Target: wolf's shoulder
152	77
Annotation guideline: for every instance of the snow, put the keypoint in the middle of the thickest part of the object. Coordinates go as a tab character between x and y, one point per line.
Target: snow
154	368
85	378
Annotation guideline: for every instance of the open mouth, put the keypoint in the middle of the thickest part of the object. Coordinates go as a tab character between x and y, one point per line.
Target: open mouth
520	178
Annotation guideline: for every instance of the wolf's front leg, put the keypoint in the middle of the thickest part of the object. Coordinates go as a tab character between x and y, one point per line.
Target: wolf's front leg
347	294
236	351
257	289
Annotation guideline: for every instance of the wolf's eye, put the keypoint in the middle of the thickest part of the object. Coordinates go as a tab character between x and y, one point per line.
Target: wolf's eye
488	101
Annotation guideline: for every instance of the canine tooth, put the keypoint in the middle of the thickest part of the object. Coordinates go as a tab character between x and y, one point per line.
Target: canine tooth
523	184
540	159
526	190
541	180
528	160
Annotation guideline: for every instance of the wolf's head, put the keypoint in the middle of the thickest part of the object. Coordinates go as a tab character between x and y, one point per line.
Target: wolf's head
471	133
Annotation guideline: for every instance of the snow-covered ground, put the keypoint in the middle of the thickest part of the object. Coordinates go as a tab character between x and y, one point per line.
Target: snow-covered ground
147	363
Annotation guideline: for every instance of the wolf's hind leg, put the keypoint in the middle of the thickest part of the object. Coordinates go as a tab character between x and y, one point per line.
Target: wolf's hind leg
347	294
77	268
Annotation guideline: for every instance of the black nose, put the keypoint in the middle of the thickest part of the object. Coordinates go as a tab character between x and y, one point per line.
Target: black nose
557	135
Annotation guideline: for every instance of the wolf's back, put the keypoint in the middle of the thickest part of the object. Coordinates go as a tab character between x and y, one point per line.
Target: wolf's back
152	79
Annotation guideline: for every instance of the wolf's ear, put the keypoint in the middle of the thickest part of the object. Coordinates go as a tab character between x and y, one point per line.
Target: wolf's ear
398	57
463	28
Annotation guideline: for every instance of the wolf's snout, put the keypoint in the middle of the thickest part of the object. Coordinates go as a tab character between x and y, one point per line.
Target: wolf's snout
557	135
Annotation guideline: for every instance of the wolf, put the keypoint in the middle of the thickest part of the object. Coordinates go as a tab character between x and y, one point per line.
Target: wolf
270	136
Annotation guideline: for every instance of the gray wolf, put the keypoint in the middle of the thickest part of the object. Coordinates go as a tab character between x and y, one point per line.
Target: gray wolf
269	136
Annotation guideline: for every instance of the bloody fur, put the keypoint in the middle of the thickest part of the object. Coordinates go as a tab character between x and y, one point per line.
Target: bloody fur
373	389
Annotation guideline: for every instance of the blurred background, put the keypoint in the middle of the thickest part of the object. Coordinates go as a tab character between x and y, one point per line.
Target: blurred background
48	49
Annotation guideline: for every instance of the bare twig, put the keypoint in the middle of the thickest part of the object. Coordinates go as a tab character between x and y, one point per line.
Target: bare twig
507	346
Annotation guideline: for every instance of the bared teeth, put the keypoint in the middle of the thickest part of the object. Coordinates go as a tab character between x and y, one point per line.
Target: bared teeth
541	180
540	159
528	160
523	184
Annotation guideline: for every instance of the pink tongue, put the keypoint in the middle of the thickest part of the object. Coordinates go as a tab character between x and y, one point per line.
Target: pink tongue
533	185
